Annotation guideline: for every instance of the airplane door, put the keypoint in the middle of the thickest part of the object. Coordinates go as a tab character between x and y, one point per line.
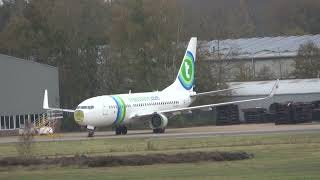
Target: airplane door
105	110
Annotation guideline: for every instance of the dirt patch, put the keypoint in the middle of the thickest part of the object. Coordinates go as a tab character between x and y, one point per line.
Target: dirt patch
128	160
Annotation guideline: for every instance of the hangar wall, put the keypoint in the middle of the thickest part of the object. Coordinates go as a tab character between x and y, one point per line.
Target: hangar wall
276	99
296	90
21	91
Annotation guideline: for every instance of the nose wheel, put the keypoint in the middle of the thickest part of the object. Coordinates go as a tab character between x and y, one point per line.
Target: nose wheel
121	130
91	131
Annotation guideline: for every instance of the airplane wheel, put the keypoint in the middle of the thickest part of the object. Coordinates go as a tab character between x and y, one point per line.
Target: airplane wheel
159	130
124	130
162	130
118	130
91	133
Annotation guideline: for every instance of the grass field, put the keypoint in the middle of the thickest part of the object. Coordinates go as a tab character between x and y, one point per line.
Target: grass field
282	156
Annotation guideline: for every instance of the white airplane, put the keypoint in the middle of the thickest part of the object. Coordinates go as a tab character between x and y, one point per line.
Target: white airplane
156	107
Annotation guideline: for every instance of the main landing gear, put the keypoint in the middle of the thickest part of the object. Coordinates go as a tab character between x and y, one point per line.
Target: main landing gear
159	130
121	130
91	130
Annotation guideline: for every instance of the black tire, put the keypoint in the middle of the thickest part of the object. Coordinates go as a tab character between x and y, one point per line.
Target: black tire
155	131
91	133
118	130
124	130
159	130
162	130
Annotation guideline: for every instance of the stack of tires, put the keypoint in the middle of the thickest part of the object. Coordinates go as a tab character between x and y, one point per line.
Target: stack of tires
291	113
255	115
281	113
302	112
227	115
316	111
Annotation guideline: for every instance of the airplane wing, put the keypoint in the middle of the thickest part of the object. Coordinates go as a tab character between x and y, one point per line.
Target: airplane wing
213	92
46	104
209	106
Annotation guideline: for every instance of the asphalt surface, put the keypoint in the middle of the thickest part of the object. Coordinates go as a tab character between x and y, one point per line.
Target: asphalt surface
195	132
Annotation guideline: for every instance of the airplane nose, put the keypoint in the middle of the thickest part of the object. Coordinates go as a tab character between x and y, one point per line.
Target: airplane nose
79	116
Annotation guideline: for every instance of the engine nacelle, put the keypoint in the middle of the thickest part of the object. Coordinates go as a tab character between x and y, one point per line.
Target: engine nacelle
158	121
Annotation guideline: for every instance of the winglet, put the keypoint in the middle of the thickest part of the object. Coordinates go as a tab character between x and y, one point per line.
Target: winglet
45	100
274	89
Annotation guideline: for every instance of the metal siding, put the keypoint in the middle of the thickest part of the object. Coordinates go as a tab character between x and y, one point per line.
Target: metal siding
23	84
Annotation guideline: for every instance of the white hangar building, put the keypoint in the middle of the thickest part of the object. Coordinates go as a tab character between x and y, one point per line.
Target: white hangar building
21	92
256	55
296	90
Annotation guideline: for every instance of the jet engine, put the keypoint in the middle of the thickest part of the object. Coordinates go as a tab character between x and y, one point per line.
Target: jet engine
158	121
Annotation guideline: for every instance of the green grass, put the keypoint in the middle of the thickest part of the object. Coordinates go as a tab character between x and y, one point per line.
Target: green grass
283	157
149	145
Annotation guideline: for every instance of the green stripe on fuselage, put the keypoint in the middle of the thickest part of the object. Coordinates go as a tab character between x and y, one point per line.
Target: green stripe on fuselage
121	106
123	109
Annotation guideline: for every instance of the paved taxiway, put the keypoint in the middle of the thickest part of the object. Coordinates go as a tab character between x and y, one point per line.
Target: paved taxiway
195	132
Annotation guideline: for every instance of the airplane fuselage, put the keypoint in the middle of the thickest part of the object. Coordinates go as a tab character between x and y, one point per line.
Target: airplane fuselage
121	109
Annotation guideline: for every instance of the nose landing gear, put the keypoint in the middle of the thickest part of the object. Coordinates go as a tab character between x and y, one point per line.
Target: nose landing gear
90	133
91	130
121	130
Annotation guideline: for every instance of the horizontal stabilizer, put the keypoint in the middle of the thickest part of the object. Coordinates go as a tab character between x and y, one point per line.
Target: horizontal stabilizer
46	104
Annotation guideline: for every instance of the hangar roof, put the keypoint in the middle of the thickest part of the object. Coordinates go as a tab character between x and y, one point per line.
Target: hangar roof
294	86
259	47
4	57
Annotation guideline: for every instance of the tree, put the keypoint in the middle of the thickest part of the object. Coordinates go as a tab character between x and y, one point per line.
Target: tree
243	71
307	62
265	73
146	48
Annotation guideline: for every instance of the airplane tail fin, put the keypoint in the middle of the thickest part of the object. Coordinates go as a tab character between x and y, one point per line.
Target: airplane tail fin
185	77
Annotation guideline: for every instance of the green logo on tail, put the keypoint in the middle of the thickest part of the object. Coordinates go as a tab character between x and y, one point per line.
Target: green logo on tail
186	74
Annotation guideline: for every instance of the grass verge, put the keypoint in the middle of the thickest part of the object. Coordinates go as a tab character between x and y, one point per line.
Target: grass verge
281	156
